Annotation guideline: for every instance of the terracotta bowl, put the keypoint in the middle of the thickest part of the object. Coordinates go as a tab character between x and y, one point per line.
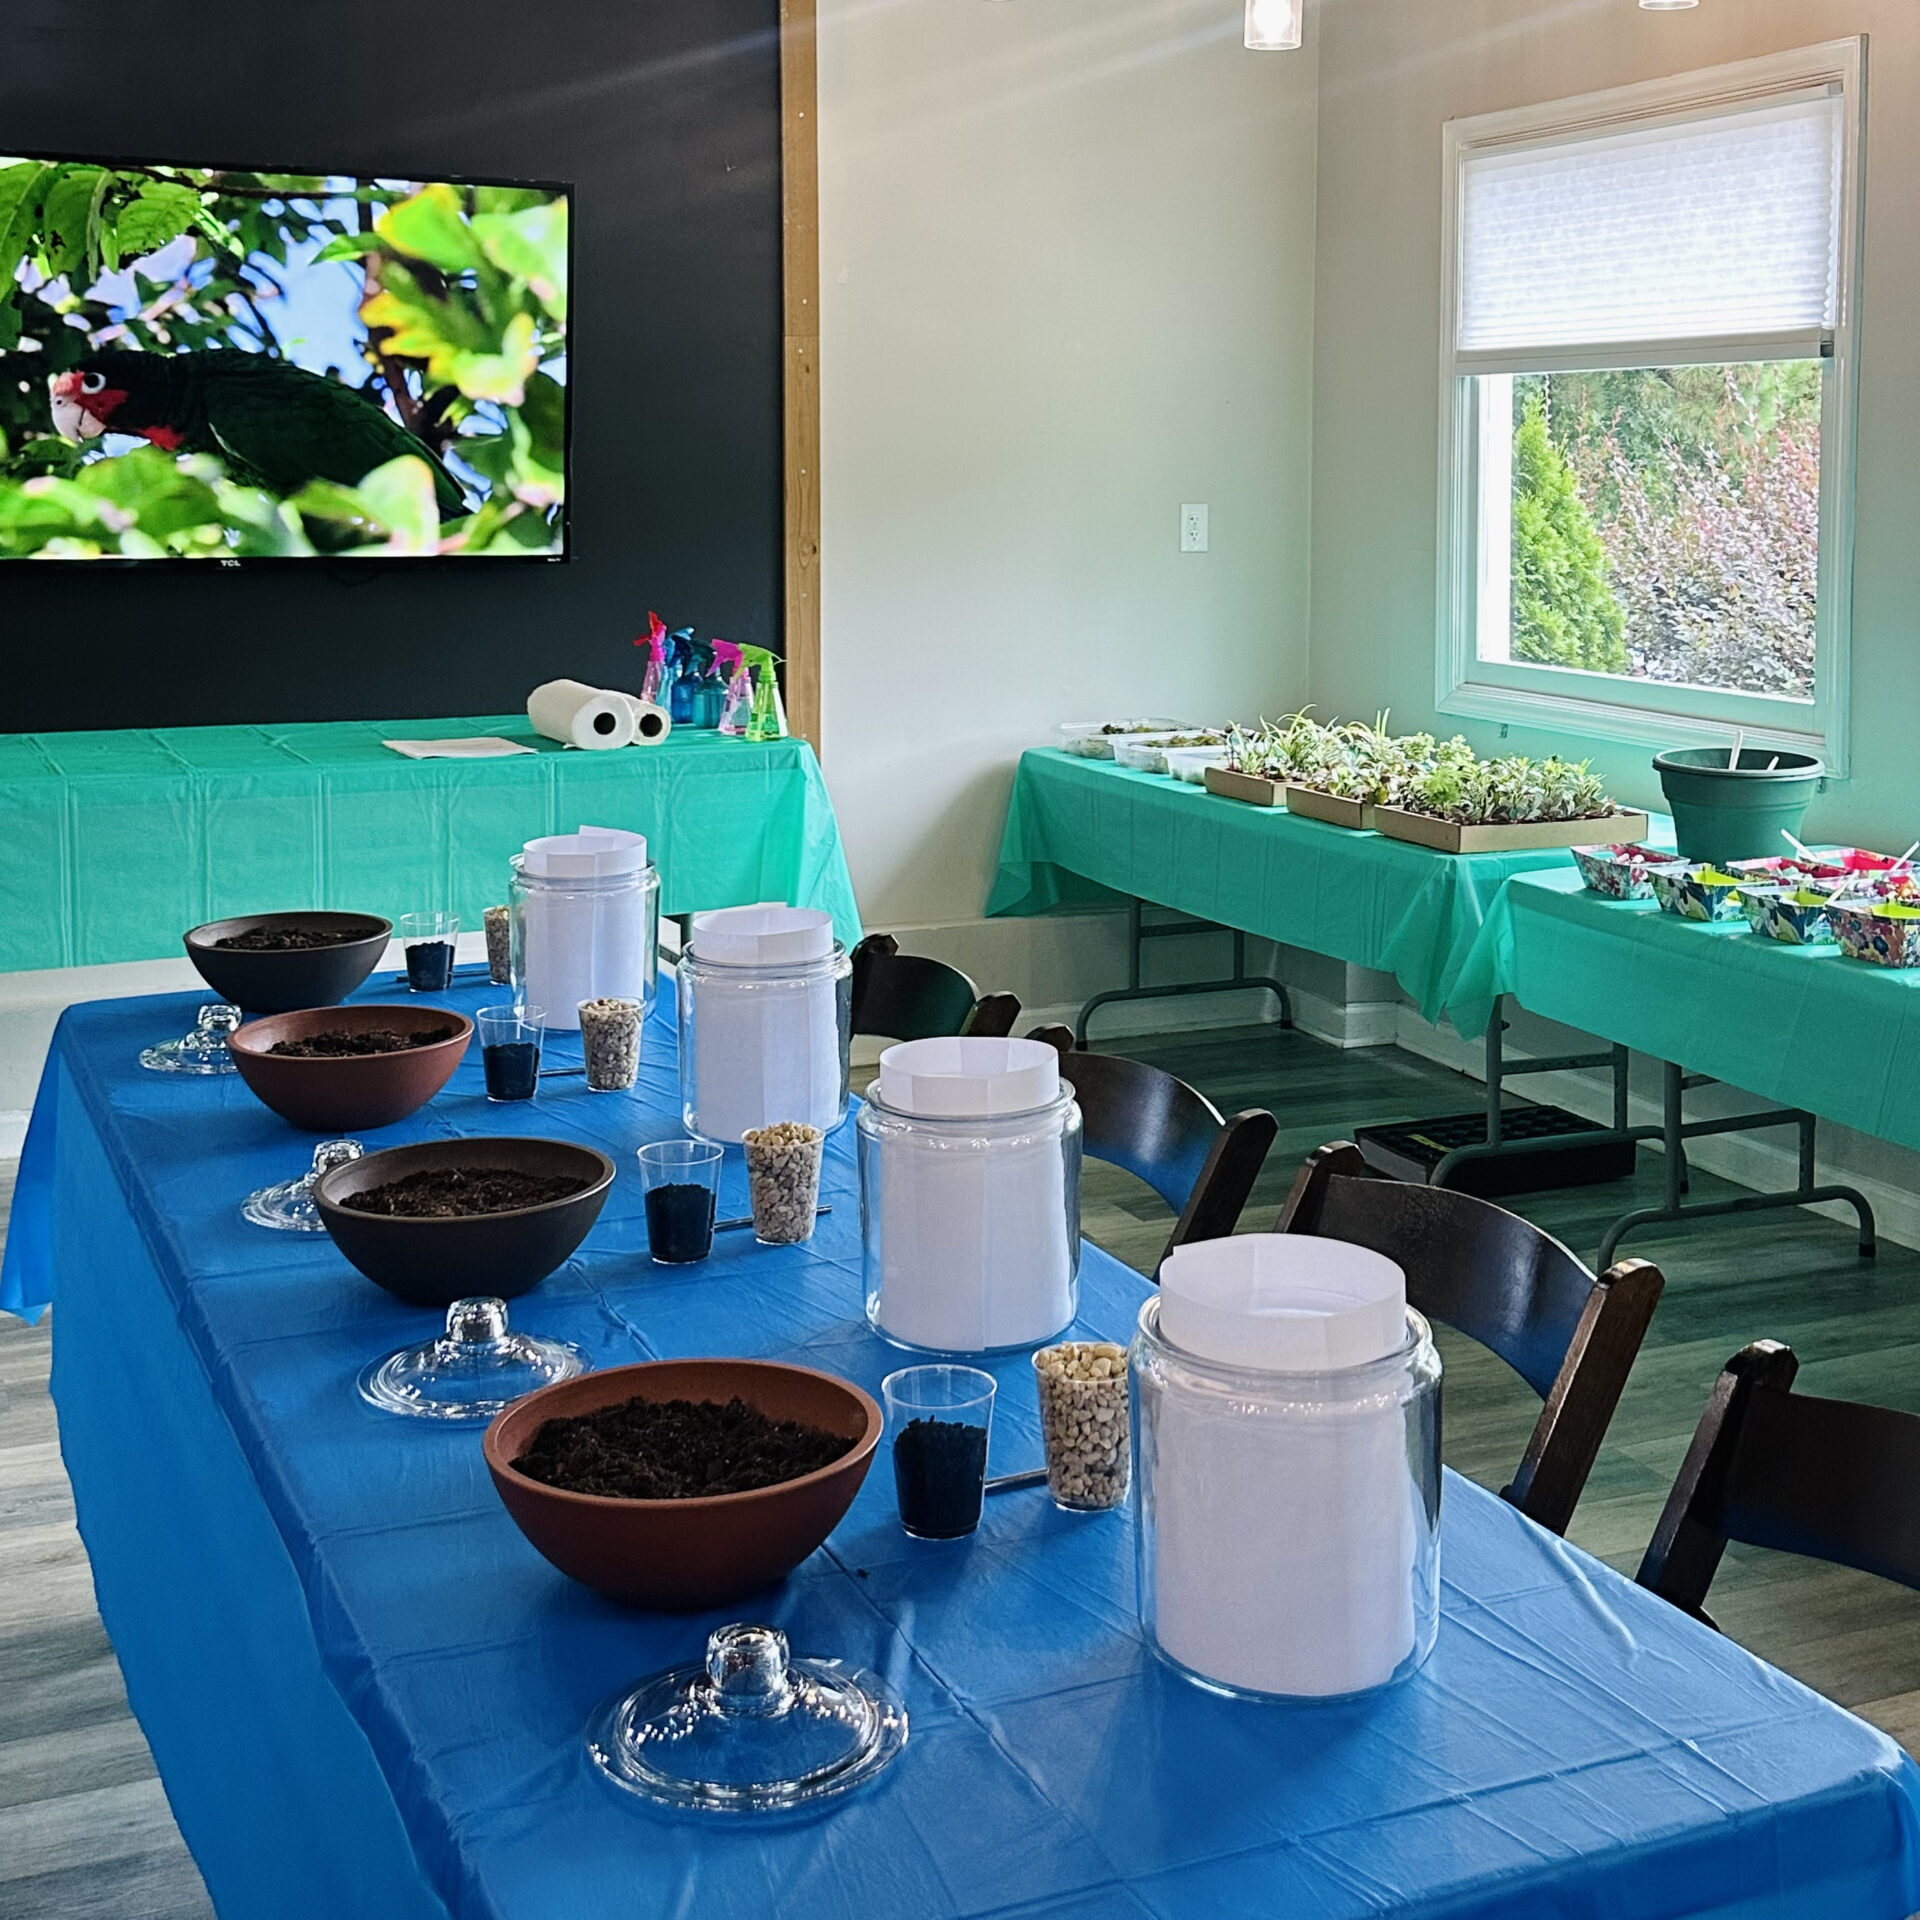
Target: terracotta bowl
298	977
432	1263
361	1091
677	1556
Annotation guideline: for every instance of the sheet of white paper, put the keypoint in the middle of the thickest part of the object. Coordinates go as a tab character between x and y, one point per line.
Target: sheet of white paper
974	1248
1284	1542
582	946
765	1051
483	747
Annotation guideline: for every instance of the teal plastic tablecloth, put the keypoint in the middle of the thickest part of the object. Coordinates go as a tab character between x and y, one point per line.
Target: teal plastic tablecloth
367	1694
1082	833
113	844
1801	1025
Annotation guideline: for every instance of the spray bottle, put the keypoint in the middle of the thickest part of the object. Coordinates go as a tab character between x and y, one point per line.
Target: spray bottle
737	708
682	690
768	719
654	681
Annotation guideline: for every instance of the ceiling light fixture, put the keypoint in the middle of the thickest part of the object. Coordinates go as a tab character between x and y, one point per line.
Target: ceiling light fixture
1667	6
1273	26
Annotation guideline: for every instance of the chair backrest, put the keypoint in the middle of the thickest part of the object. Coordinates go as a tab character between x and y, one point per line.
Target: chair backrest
1164	1132
1831	1479
1507	1284
905	996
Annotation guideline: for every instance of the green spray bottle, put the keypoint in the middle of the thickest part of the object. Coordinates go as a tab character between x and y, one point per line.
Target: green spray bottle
767	719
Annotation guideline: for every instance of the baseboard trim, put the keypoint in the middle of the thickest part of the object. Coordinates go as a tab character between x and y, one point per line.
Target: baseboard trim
1750	1159
1174	1013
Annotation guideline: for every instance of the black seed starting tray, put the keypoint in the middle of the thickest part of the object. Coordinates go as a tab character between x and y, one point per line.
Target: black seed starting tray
1588	1156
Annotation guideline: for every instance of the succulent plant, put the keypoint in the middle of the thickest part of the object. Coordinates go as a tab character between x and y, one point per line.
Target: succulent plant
1508	791
1357	761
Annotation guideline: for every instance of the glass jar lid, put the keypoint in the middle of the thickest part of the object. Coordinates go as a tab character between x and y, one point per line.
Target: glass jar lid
749	1729
289	1206
204	1050
472	1371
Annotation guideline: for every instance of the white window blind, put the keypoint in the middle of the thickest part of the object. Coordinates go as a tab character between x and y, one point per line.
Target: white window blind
1719	228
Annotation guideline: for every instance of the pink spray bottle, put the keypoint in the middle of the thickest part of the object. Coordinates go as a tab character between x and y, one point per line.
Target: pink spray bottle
653	685
738	709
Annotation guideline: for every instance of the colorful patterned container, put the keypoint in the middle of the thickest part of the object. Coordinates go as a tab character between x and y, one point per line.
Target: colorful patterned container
1622	871
1882	934
1697	893
1796	916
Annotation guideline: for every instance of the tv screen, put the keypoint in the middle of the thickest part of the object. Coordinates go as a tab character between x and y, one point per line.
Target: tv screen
221	365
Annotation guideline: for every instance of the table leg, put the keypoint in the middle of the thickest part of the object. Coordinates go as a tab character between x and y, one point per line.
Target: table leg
1138	931
1674	1133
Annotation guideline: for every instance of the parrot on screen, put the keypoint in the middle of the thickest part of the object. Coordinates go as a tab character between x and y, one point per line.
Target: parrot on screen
273	423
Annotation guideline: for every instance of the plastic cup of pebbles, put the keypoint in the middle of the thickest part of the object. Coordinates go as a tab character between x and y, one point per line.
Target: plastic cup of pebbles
1084	1423
499	946
610	1038
783	1179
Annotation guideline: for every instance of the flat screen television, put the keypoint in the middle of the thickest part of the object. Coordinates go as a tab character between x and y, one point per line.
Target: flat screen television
230	365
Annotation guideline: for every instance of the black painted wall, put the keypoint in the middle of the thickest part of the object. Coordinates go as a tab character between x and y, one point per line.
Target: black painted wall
665	116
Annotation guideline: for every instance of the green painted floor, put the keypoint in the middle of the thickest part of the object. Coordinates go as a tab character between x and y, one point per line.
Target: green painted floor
1790	1275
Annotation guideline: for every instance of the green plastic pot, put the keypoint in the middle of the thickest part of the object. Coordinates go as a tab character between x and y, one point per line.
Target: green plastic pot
1723	812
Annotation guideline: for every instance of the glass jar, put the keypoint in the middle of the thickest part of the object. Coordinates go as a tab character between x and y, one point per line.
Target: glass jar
585	913
1289	1522
763	1043
971	1222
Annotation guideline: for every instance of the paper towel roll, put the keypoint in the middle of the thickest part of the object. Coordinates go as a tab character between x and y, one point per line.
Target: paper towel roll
582	716
651	724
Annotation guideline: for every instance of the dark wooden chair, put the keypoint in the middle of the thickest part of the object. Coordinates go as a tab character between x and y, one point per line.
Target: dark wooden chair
1158	1128
1831	1479
905	996
1503	1282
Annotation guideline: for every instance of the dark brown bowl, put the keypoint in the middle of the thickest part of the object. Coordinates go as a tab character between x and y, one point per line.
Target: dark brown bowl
300	977
366	1090
677	1556
432	1263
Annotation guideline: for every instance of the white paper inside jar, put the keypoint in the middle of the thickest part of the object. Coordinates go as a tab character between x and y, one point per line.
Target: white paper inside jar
762	936
586	940
765	1049
1286	1301
974	1243
594	853
965	1077
974	1249
1286	1528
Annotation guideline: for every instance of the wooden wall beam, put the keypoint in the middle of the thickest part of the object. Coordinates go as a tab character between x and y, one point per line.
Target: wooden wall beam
800	273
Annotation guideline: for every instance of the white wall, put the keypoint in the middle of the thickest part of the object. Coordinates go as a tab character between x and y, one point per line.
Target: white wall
1066	265
1391	72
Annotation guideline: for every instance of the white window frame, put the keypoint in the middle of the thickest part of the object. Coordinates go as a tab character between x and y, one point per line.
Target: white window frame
1605	706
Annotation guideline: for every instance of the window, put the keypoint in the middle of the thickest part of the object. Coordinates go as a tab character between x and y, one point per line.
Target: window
1647	407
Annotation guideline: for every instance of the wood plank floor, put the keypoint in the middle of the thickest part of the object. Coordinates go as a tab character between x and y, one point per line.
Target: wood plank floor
85	1833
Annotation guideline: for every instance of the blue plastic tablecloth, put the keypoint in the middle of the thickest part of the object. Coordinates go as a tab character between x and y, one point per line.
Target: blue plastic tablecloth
366	1693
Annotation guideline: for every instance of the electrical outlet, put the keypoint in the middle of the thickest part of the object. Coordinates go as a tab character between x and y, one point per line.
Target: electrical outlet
1193	527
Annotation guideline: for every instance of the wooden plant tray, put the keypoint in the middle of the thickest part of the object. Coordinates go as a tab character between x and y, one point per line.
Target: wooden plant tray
1253	788
1449	836
1314	804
